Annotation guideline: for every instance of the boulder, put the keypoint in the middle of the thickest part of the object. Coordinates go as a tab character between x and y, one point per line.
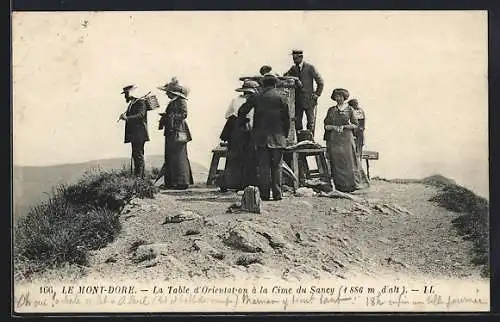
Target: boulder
242	237
250	201
183	215
149	252
247	260
206	248
274	237
305	192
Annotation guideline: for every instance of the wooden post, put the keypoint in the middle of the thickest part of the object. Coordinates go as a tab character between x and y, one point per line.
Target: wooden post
295	168
368	168
214	164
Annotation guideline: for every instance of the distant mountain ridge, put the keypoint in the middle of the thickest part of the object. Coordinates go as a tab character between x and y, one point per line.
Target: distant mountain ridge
32	184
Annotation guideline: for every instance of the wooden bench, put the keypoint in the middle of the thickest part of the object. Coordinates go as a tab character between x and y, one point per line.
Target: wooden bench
322	171
217	153
369	155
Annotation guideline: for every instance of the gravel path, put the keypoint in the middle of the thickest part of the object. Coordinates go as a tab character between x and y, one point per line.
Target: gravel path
395	230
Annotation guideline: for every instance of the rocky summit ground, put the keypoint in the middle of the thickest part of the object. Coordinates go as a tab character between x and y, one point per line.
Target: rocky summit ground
388	229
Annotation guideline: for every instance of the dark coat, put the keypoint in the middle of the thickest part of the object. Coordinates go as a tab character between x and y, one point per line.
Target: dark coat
136	126
174	118
308	75
271	119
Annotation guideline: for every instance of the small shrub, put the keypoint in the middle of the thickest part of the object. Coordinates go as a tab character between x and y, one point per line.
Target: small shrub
75	219
473	220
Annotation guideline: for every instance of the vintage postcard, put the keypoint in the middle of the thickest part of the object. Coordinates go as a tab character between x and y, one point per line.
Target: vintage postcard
244	161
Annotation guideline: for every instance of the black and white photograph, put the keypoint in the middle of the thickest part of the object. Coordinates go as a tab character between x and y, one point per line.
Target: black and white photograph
246	161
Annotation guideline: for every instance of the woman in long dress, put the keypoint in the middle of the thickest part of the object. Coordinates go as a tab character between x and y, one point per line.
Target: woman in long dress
178	174
240	169
340	122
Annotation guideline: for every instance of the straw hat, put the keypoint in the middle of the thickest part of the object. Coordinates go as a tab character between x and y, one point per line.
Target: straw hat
128	88
249	86
175	88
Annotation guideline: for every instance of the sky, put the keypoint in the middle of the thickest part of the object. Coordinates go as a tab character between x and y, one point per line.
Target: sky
420	76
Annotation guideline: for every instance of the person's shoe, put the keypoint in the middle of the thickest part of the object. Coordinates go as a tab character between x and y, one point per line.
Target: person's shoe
277	198
265	198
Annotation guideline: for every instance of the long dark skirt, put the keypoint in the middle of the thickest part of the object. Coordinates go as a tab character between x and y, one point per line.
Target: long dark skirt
178	169
240	169
343	160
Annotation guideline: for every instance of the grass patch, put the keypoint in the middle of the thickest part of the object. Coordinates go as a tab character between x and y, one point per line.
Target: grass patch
473	221
75	219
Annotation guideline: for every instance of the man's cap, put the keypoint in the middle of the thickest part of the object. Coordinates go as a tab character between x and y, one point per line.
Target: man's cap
128	88
297	52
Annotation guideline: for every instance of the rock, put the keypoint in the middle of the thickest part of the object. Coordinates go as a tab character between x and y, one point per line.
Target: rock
191	232
274	237
210	222
183	215
246	260
234	208
318	185
111	259
135	202
206	248
307	204
250	201
384	240
135	244
149	252
258	269
360	208
305	192
149	263
392	261
244	238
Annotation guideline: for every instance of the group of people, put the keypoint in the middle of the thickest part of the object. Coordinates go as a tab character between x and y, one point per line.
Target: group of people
258	124
176	169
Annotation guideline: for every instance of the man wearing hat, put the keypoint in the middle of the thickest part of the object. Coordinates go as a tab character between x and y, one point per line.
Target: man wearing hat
271	124
136	127
306	98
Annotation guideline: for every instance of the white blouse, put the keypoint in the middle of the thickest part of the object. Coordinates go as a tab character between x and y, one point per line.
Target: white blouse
235	105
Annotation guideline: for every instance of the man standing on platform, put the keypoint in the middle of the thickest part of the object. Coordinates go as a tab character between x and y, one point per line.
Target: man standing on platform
271	125
306	98
136	127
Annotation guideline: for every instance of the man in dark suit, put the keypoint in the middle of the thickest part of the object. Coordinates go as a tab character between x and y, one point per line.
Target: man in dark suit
306	98
271	124
136	128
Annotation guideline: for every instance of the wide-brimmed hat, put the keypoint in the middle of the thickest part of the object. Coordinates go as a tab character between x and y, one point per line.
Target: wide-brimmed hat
128	88
175	88
249	86
342	91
